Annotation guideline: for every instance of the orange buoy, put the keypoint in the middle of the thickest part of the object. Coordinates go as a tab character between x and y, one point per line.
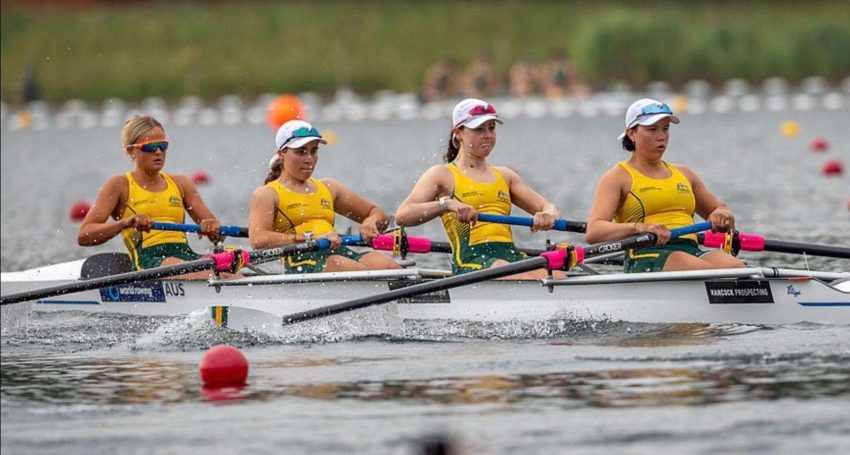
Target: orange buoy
832	168
819	144
79	210
223	365
200	177
283	109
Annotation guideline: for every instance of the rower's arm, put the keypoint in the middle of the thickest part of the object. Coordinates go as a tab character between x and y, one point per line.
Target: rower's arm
526	198
609	197
709	206
261	221
353	206
422	204
96	229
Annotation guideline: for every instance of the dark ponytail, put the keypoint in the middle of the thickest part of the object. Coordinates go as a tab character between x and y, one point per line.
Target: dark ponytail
277	169
451	150
628	144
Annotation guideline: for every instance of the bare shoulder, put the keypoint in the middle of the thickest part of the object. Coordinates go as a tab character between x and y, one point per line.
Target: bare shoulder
507	172
264	191
684	170
616	175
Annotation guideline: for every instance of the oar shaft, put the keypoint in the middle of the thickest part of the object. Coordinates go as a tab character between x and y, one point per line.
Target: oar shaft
560	224
430	286
229	231
113	280
220	261
808	248
753	242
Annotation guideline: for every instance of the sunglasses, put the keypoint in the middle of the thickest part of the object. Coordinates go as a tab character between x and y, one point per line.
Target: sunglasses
657	108
481	110
302	132
150	147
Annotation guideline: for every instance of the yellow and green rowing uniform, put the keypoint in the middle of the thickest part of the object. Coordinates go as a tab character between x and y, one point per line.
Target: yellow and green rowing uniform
313	213
669	201
478	247
148	249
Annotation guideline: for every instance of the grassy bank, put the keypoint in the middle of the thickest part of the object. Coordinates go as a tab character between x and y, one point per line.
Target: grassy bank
174	49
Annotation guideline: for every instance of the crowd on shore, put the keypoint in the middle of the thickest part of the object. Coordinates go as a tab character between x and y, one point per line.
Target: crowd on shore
557	77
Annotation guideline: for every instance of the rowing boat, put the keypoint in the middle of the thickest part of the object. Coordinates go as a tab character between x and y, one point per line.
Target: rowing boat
758	295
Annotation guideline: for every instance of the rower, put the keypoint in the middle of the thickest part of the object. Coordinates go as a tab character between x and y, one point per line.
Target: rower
466	185
648	194
293	206
138	198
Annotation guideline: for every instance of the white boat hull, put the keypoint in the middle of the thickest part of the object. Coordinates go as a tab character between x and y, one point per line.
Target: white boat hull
749	296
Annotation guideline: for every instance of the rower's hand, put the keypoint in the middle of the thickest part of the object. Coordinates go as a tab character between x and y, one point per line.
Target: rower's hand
332	237
140	223
211	228
662	233
721	220
464	212
543	221
369	230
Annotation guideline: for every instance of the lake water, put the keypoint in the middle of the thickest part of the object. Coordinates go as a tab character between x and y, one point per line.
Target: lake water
77	383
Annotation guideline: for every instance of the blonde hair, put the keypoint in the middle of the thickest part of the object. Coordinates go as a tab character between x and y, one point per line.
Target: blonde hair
136	126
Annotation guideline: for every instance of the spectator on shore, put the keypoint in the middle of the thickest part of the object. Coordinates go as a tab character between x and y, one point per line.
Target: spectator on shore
561	77
441	80
480	80
525	78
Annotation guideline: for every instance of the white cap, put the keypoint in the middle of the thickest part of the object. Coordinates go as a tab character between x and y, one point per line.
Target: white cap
647	111
472	112
296	133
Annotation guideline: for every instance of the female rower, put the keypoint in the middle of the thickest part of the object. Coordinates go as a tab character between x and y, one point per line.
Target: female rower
467	185
293	206
138	198
647	194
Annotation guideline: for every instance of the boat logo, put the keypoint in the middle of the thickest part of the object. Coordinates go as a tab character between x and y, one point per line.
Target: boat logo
793	291
150	291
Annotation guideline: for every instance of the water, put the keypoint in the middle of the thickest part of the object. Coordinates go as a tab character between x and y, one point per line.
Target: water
77	383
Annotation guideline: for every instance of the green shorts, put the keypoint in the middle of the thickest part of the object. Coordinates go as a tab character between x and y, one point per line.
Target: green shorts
314	261
653	258
152	257
483	255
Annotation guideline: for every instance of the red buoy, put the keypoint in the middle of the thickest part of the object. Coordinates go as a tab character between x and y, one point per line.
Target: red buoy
223	365
200	177
832	168
79	210
819	144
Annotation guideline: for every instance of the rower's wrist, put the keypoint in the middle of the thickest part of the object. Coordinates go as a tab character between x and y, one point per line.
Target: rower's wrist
444	203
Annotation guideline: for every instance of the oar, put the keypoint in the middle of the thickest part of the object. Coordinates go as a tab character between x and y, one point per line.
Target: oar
558	259
229	231
227	261
560	225
753	242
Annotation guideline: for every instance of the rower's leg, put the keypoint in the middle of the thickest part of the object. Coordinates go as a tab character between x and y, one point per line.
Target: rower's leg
679	260
378	261
337	263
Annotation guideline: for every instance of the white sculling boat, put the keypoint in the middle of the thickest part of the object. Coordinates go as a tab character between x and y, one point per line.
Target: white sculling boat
759	295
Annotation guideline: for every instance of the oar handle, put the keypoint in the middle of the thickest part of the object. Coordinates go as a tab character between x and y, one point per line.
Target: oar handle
749	242
560	224
228	231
